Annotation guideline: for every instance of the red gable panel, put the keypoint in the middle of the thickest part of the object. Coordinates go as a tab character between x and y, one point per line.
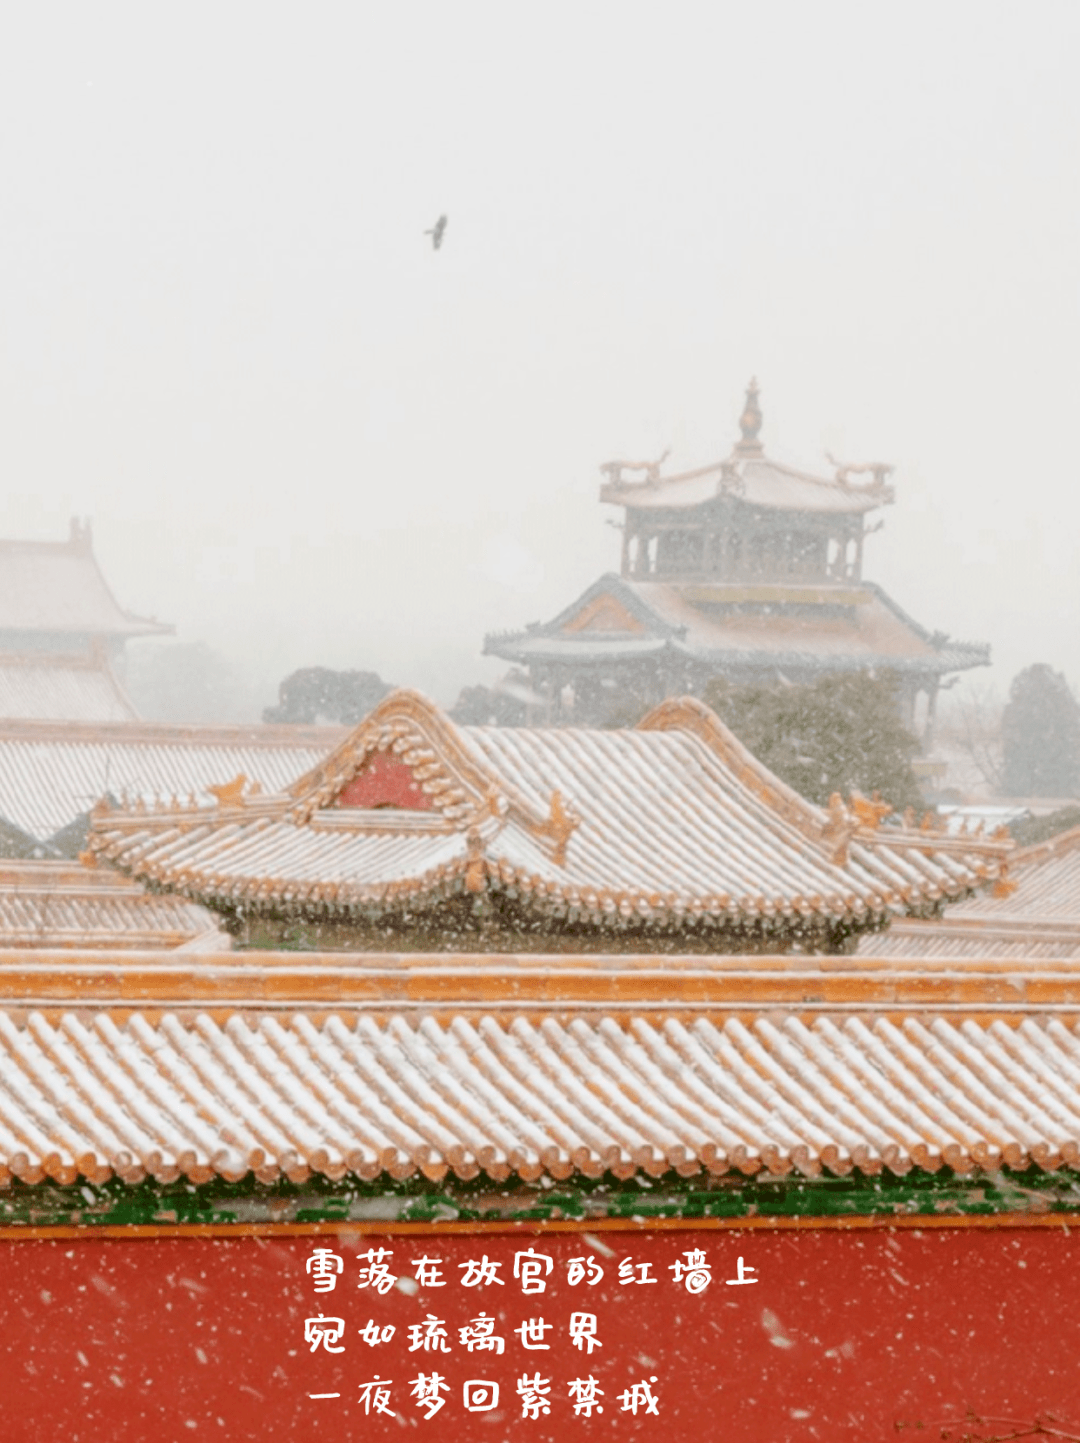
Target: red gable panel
385	782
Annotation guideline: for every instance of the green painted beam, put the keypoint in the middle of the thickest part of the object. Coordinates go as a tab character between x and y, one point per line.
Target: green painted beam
318	1200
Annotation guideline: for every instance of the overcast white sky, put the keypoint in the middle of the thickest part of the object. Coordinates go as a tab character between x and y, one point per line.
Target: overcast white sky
305	437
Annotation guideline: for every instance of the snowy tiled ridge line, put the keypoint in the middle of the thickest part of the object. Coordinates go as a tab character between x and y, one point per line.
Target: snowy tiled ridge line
339	1094
671	824
61	905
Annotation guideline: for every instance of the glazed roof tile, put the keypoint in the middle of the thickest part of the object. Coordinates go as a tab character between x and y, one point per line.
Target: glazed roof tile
207	1095
1047	886
1036	915
948	938
668	822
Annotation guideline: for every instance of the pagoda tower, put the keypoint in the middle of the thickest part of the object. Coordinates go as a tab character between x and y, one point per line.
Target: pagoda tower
745	568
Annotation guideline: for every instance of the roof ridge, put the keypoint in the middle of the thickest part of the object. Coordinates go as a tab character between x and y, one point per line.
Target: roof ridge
689	713
151	732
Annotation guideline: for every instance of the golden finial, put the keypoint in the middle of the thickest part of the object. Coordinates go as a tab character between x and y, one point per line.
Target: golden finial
750	422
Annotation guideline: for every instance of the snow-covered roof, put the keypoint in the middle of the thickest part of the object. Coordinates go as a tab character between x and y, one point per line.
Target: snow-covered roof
53	773
60	904
757	481
1036	913
44	685
670	825
751	477
731	626
56	587
132	1065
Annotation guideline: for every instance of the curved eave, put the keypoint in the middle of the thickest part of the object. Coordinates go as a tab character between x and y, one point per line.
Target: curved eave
644	506
757	481
887	887
526	648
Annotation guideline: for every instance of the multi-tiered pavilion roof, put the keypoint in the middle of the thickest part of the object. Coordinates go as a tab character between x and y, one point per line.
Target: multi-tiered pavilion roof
746	568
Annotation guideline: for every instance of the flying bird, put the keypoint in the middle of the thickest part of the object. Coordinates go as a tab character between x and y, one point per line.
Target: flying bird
436	232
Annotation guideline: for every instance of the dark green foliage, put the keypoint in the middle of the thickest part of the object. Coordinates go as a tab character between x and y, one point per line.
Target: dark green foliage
839	734
1040	736
1029	831
318	694
503	705
487	706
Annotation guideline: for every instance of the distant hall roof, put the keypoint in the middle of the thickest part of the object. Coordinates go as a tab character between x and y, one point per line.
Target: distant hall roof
758	481
52	686
55	587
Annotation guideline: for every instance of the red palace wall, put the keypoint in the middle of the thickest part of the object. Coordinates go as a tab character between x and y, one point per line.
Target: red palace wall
847	1334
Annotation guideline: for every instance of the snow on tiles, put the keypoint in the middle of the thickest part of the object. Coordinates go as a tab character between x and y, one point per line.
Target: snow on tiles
487	838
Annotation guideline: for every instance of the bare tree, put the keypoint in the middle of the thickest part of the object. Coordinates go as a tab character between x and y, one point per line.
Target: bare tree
972	724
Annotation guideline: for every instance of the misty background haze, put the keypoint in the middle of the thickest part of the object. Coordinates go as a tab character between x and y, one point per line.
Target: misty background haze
306	438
